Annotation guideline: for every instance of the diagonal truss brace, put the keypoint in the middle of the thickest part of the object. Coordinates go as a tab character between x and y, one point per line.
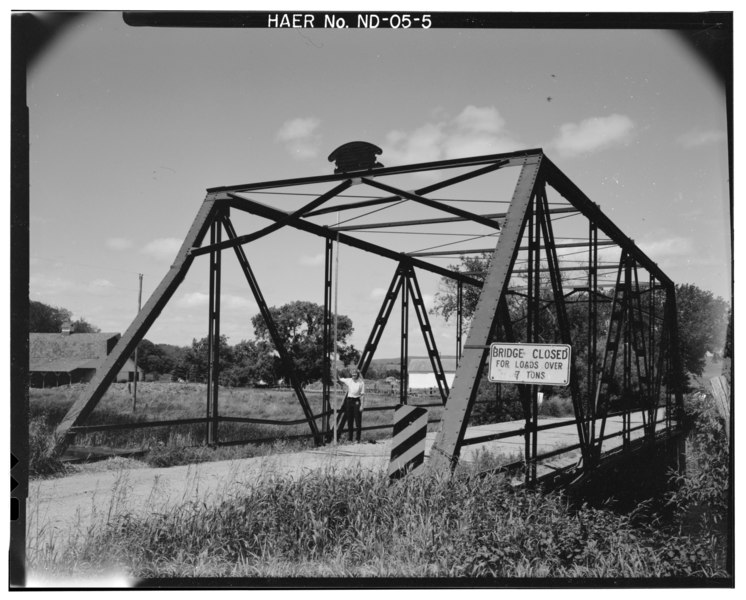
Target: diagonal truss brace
96	388
287	360
455	416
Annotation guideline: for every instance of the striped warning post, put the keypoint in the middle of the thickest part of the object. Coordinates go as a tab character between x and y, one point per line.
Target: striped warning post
408	445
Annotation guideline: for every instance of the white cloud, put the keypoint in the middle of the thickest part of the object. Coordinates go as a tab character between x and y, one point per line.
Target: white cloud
592	134
118	243
192	300
163	248
48	286
474	131
376	293
99	286
695	138
312	261
667	247
300	137
227	301
480	120
231	302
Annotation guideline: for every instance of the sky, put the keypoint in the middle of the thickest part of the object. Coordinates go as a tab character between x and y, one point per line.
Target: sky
130	126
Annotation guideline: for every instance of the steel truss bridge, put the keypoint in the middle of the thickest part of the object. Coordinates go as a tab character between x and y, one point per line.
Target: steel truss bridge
552	255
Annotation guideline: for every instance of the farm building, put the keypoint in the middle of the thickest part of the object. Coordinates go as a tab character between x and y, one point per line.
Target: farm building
68	357
420	372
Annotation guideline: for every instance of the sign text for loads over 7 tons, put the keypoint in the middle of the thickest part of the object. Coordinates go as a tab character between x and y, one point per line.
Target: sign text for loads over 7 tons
543	364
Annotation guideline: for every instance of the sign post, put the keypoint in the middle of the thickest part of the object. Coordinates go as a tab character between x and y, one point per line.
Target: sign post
536	364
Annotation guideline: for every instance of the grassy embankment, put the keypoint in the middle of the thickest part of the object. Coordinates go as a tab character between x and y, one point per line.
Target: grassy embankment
359	525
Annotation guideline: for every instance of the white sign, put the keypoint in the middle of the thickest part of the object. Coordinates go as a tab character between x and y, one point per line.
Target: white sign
540	364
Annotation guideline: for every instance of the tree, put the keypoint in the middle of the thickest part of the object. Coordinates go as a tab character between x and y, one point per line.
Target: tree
46	319
446	299
83	326
49	319
300	326
702	317
156	359
253	361
702	325
194	363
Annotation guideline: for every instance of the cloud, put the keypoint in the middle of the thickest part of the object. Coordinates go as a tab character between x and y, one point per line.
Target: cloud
666	248
694	138
312	261
48	286
592	134
227	301
118	243
99	286
377	293
474	131
300	137
163	248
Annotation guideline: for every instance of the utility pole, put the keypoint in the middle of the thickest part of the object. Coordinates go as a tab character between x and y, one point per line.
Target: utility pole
134	388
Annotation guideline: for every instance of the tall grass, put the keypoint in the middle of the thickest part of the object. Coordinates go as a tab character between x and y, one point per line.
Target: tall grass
358	525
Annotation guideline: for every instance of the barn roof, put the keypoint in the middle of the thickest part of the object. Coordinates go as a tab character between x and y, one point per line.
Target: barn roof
63	365
75	346
422	364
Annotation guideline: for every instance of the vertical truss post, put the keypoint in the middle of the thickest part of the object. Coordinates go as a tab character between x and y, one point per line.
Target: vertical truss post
459	319
404	345
627	356
654	400
611	348
213	335
592	323
641	358
580	408
427	333
675	355
287	360
455	418
532	335
329	346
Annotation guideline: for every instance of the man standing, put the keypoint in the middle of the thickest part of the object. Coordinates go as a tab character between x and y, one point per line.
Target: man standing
355	402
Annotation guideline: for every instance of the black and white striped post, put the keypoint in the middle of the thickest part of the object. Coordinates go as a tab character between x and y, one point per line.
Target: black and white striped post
408	444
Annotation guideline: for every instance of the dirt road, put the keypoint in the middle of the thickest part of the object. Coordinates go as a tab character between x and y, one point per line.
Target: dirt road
58	509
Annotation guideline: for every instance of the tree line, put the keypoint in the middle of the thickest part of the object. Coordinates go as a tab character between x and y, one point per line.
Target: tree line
704	320
703	323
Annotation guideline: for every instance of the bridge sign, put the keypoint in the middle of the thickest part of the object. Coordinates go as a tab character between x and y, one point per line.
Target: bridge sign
540	364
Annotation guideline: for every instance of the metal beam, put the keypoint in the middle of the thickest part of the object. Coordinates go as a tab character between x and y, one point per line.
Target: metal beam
268	212
512	158
500	215
455	416
483	250
287	360
433	187
433	204
562	184
288	220
113	363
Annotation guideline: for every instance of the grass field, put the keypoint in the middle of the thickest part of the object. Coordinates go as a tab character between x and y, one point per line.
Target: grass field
181	444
